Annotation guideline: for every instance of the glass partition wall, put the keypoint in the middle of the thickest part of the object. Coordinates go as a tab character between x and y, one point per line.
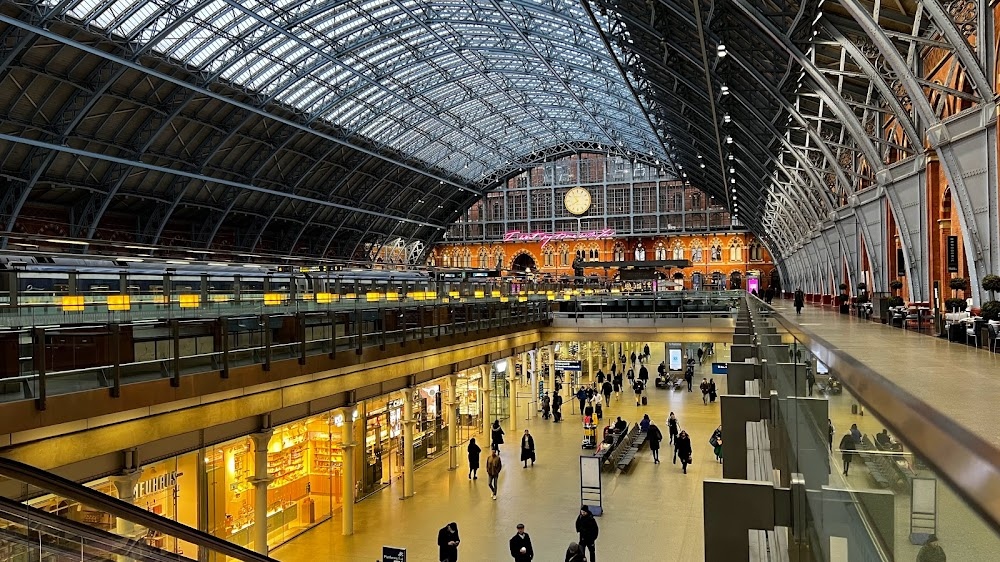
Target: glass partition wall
868	495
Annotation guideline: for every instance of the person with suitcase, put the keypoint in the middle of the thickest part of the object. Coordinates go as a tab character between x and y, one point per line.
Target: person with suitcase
637	387
682	449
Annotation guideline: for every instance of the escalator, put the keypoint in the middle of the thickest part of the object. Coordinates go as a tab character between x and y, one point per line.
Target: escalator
28	534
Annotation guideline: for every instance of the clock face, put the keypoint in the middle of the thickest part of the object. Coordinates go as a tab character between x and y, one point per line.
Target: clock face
577	200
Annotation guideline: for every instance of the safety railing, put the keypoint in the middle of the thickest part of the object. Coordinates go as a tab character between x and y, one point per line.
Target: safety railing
882	468
46	361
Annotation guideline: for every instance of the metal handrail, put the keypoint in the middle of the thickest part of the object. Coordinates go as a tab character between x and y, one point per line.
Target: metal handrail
952	450
68	489
23	514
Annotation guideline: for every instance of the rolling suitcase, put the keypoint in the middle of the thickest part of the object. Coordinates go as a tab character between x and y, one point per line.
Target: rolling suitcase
643	400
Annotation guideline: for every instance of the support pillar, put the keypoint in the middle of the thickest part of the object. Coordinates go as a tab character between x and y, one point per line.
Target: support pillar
552	368
260	480
590	362
347	469
408	423
527	380
451	403
486	391
534	400
125	484
512	393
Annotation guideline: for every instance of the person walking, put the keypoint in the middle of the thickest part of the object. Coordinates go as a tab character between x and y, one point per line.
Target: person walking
493	467
799	302
672	429
448	543
931	551
644	375
644	423
474	451
606	389
829	432
701	354
496	436
810	380
520	545
654	437
600	376
546	407
682	449
689	376
617	386
598	411
586	525
556	408
645	351
574	553
716	442
712	391
581	395
637	388
527	449
704	391
632	357
847	447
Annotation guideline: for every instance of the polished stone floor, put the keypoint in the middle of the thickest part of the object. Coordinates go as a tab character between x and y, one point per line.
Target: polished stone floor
653	512
958	380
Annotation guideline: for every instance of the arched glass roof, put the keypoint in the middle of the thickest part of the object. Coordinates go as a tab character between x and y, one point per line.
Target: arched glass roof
464	86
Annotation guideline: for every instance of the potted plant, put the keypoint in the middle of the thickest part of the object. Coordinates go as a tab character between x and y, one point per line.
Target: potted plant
955	305
991	283
991	310
842	299
957	284
895	301
896	285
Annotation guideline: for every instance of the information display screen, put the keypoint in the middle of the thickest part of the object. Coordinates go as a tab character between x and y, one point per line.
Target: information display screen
676	359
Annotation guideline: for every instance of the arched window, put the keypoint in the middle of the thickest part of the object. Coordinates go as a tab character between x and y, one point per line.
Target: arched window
446	258
678	250
484	258
697	252
467	258
716	252
660	252
547	257
619	252
755	251
498	258
736	251
640	252
564	255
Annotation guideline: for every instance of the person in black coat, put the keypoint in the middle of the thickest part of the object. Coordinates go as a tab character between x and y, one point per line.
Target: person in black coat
606	389
600	376
496	435
654	436
520	545
644	374
682	449
474	451
586	525
673	428
556	407
448	543
527	449
574	553
847	447
800	299
713	391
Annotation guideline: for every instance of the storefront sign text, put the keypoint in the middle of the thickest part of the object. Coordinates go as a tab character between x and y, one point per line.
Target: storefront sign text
153	485
546	237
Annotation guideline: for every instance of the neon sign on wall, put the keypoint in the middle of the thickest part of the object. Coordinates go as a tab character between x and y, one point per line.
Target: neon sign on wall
546	237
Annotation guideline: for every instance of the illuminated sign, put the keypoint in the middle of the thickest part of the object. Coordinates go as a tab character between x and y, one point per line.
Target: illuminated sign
162	482
546	237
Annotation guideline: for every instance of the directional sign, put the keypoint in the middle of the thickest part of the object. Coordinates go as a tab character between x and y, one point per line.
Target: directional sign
567	365
393	554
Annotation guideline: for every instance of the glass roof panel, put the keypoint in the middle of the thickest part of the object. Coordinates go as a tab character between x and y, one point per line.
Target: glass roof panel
447	82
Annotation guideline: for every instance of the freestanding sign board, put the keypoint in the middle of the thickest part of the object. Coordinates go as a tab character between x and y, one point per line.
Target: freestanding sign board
393	554
590	483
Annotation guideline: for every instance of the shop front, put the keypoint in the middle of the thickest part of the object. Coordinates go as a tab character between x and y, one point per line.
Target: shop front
468	405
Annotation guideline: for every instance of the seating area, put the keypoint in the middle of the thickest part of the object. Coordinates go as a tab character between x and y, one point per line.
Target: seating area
623	449
886	470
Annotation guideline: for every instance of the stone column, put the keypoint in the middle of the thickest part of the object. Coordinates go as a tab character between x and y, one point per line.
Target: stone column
347	469
408	423
590	362
512	393
260	480
552	368
486	391
451	403
125	484
534	404
529	379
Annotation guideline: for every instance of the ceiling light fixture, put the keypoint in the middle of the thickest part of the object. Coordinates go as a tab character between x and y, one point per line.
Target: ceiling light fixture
725	90
721	50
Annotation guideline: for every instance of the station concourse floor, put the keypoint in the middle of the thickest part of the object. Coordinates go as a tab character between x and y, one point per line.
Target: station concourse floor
652	512
958	380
